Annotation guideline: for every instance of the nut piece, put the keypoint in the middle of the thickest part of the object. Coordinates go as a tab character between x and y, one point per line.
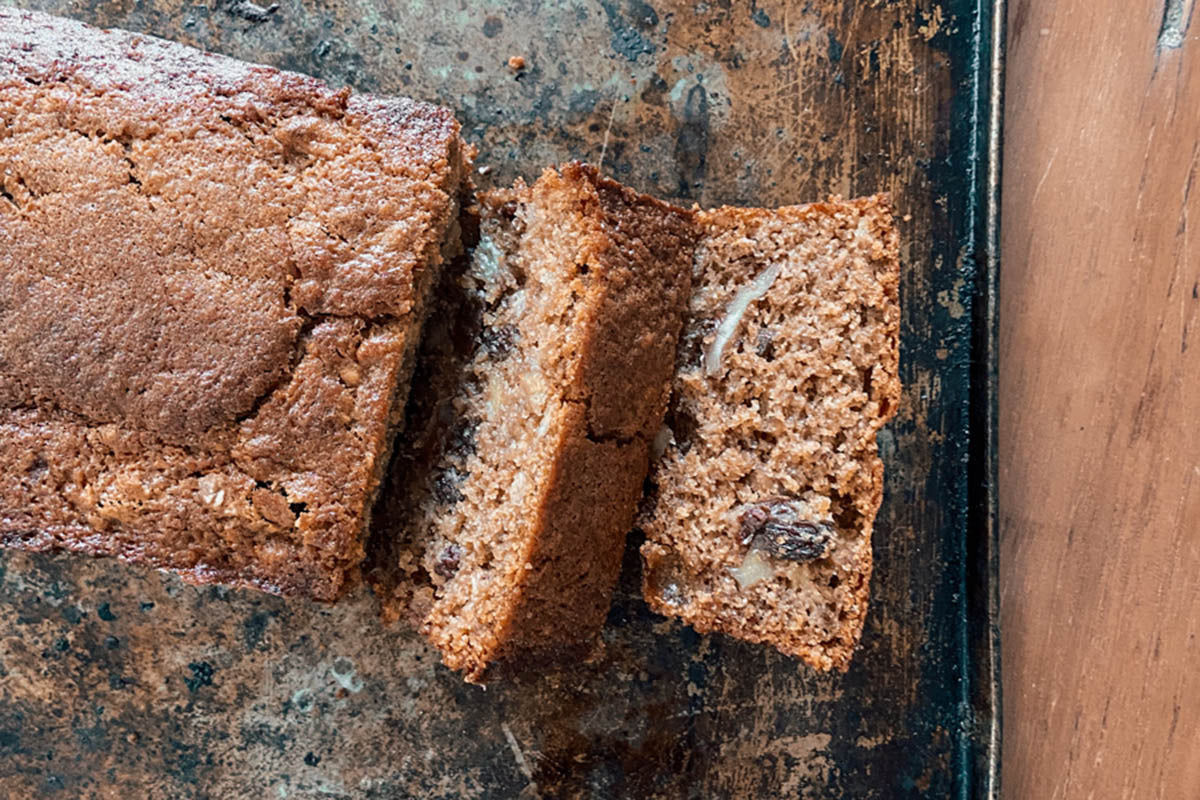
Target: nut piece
776	527
211	492
733	316
754	569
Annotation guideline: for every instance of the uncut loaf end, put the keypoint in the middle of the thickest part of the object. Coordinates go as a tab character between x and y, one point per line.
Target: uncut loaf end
212	281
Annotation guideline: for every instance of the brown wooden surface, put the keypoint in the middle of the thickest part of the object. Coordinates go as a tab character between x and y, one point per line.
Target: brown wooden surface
1100	401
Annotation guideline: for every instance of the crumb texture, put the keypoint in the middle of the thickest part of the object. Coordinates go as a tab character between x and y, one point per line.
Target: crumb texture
758	522
522	476
212	277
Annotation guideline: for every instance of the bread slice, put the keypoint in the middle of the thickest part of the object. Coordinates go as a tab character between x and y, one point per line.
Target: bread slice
519	500
212	279
758	521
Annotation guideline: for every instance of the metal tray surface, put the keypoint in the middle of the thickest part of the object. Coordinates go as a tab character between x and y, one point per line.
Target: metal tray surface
116	681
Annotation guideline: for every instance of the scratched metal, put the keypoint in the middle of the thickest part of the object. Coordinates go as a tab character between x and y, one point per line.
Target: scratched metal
118	682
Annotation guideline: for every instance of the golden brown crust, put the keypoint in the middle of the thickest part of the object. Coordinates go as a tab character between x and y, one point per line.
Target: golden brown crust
213	278
779	428
517	533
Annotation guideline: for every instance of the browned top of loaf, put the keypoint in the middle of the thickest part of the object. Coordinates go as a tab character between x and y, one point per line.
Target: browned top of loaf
211	273
807	379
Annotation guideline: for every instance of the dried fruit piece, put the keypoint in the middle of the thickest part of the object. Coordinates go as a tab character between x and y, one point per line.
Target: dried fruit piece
462	437
691	343
764	344
683	427
445	487
448	561
499	341
777	528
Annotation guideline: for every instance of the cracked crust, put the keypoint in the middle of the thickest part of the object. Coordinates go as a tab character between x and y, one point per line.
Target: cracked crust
213	278
758	523
521	473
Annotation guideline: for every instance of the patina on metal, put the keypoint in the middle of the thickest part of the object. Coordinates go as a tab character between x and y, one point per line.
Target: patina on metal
119	682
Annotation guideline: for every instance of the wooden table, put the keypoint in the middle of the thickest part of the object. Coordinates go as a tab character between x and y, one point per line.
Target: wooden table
1100	400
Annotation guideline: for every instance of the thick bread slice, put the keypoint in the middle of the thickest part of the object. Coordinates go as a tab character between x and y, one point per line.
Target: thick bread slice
521	481
759	519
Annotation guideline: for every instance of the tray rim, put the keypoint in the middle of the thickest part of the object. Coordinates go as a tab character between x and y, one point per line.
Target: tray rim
984	734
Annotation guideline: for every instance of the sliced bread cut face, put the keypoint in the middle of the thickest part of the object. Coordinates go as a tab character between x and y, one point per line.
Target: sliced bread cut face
759	517
522	483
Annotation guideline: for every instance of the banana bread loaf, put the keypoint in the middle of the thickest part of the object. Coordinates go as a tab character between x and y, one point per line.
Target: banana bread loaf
212	280
519	483
759	515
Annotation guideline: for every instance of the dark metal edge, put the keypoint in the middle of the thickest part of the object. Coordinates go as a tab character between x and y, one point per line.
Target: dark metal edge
983	577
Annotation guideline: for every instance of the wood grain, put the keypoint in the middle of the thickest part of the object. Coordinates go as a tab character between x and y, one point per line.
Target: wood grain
1100	399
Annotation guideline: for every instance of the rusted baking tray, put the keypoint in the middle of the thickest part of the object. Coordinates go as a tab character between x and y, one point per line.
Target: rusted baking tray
119	682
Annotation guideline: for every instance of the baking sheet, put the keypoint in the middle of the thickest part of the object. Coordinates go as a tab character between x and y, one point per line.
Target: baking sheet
115	681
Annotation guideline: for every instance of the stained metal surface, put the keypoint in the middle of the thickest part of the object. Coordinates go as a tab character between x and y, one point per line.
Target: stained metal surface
115	681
